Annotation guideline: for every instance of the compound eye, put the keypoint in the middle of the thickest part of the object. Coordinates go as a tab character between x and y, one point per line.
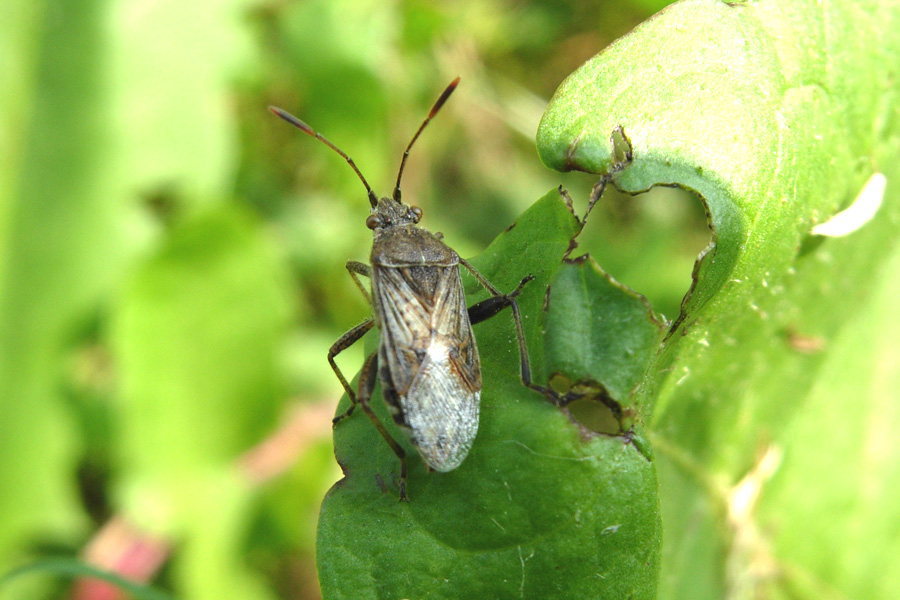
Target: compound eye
416	211
372	221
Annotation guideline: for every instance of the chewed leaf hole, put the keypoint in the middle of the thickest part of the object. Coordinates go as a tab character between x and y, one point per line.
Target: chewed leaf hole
649	242
621	146
584	403
595	415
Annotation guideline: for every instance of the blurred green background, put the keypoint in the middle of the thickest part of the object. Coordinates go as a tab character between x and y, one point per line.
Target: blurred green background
172	256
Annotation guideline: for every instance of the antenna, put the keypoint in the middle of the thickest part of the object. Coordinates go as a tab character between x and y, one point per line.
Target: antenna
434	110
373	199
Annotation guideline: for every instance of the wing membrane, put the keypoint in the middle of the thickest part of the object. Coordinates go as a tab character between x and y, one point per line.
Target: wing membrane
429	361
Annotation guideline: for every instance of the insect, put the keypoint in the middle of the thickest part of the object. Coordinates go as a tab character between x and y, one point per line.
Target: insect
427	359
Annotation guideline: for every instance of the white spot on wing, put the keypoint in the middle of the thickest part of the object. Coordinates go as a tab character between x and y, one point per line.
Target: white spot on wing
438	350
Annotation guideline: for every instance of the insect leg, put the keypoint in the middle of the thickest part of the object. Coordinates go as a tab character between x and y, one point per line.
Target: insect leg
356	269
624	157
366	385
596	193
491	306
344	342
484	310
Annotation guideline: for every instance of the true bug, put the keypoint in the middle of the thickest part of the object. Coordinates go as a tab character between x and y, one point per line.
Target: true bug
427	359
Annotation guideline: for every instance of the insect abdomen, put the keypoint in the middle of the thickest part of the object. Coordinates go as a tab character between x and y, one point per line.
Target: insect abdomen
439	411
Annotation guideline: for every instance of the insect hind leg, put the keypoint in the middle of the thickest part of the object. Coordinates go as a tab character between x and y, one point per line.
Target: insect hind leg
486	309
491	306
366	384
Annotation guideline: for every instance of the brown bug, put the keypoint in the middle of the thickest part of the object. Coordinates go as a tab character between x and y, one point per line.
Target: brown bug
427	359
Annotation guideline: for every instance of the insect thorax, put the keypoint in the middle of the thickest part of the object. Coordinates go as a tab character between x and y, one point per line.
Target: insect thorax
409	246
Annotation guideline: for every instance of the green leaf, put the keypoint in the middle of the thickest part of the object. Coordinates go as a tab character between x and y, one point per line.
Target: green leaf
598	332
840	488
776	115
196	338
61	248
540	508
172	95
71	567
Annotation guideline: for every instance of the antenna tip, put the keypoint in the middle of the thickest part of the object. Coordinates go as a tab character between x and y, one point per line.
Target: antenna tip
283	114
444	95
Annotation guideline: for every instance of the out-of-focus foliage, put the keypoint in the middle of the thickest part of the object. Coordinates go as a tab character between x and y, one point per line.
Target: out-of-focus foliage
171	256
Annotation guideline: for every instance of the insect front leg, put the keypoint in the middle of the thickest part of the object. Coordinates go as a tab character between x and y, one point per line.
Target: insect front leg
623	159
366	385
356	269
344	342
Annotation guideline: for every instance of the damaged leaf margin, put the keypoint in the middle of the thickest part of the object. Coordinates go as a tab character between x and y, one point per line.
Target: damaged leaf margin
776	115
736	108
